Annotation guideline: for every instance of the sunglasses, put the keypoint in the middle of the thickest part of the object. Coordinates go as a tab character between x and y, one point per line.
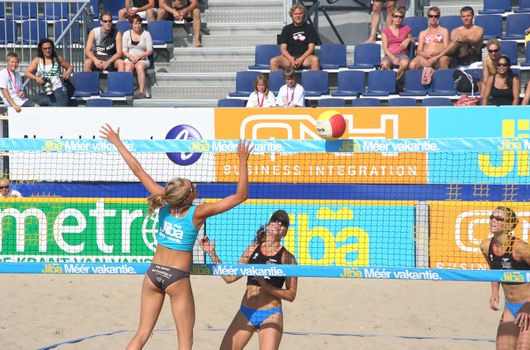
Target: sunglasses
4	187
502	64
434	16
279	221
106	20
397	16
493	51
497	218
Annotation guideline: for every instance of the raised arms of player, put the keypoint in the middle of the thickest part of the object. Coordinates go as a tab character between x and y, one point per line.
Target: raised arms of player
113	137
206	210
209	248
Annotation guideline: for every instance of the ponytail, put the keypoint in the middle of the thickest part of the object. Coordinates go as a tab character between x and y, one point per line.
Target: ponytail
155	202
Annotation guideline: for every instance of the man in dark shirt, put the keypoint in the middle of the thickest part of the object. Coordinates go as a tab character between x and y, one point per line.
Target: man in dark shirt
297	43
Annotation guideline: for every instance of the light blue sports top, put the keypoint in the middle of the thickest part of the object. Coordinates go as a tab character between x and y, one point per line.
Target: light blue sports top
176	233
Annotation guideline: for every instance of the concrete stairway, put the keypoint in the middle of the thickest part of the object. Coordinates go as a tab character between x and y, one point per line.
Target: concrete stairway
198	77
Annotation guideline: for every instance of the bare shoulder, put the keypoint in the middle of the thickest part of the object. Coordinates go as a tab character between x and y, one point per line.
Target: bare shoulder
288	258
484	245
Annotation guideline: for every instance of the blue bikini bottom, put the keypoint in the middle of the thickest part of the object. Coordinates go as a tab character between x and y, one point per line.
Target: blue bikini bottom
256	317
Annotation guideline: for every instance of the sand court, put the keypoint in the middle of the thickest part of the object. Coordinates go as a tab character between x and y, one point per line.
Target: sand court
39	311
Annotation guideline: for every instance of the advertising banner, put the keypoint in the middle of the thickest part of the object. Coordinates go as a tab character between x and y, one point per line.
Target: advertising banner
321	234
509	166
299	123
458	228
134	123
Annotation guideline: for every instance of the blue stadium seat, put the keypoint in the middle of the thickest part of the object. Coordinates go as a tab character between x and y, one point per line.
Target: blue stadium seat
123	26
161	32
263	54
7	28
402	102
93	7
366	102
113	6
55	11
524	6
450	22
2	10
437	101
332	56
331	102
381	83
86	84
33	30
119	84
231	102
516	24
496	6
443	83
24	11
366	56
413	85
99	102
350	83
509	48
244	84
492	25
73	36
526	62
416	24
315	82
276	81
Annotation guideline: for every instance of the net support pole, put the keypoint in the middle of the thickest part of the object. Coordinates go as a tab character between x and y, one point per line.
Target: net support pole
422	234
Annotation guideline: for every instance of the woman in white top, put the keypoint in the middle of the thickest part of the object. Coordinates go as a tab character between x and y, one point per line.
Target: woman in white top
291	94
137	47
45	69
262	96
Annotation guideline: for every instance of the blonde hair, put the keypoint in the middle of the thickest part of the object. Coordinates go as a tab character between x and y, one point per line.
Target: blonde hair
297	6
289	73
262	78
493	41
175	194
399	10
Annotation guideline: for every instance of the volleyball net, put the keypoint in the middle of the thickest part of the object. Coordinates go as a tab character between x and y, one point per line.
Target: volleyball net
363	208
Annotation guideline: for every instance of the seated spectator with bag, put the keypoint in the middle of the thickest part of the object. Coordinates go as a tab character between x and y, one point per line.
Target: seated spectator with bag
137	47
502	88
45	69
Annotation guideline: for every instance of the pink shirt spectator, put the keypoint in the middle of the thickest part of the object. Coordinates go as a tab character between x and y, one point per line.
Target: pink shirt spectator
395	41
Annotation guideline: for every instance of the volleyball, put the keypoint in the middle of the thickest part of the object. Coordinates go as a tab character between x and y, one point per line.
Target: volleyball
331	125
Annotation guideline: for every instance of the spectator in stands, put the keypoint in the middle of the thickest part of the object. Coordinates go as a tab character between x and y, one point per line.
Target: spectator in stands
262	96
291	94
11	85
466	41
395	40
183	10
297	43
137	47
489	63
431	42
376	16
146	9
6	191
502	88
103	49
45	69
526	98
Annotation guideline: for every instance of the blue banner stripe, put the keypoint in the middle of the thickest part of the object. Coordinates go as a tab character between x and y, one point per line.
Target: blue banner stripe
274	146
278	270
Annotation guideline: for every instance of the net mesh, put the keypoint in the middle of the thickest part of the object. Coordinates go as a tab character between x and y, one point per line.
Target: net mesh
351	204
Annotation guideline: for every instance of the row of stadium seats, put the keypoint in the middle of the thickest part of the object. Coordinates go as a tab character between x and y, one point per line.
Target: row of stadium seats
53	11
358	102
492	24
503	6
366	56
358	83
32	31
119	85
